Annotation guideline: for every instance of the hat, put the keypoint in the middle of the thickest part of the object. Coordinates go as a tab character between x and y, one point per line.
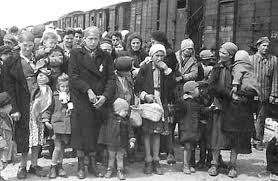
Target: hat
206	54
189	87
5	50
5	99
120	104
38	30
242	55
187	43
106	41
262	40
230	47
10	38
155	48
123	63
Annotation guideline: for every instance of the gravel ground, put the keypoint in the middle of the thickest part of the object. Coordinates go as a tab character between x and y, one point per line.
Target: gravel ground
249	167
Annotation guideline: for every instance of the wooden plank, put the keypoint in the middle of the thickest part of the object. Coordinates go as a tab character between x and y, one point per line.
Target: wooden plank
163	15
132	16
144	19
171	25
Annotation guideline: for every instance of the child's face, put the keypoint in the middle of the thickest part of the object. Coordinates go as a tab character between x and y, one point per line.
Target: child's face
50	43
123	113
196	92
6	109
64	86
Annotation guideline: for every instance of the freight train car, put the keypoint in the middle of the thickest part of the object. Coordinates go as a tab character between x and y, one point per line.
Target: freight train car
178	18
241	21
72	20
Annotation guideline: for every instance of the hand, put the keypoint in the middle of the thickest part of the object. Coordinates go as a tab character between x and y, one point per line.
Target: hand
212	107
131	145
235	96
149	98
178	78
48	125
92	96
161	65
276	101
16	116
68	112
234	89
271	99
100	101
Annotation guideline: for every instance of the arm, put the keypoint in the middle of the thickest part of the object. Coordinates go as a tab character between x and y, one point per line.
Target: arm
46	115
274	86
110	84
192	75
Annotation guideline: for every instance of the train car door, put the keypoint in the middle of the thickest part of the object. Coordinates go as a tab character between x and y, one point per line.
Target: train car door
181	21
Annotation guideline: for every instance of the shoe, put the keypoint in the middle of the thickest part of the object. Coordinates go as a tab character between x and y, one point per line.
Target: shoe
259	147
171	159
121	175
221	163
232	172
81	168
148	168
213	170
21	173
157	168
92	167
200	164
109	173
37	170
53	172
61	172
186	170
192	170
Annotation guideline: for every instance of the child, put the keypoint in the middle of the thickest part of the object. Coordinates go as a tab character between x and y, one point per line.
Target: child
115	134
6	131
189	111
51	56
60	121
244	80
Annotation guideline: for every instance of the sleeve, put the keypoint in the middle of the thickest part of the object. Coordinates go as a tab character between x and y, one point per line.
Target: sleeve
274	86
192	75
138	84
110	85
10	86
74	74
237	75
48	113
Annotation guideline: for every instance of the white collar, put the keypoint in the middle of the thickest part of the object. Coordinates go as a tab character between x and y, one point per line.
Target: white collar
25	58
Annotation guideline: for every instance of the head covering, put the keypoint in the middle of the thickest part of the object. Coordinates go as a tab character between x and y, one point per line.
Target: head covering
5	50
187	43
189	87
106	41
155	48
123	63
230	47
26	36
242	55
38	30
10	38
206	54
5	99
262	40
91	30
120	104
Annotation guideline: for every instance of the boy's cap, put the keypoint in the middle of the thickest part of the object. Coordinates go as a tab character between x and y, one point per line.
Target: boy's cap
206	55
120	104
189	87
123	63
5	99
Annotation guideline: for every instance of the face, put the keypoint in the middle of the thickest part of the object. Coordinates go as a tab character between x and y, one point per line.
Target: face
6	109
119	48
106	47
196	92
115	40
9	44
92	41
50	43
26	48
135	44
68	40
262	48
4	57
158	56
123	113
77	38
224	55
187	52
64	86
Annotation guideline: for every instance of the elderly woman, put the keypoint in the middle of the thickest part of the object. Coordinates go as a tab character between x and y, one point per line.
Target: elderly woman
92	85
232	123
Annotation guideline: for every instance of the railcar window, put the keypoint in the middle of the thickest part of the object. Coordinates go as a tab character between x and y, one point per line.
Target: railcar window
181	4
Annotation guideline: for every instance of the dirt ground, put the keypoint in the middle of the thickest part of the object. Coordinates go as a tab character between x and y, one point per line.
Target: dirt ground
249	168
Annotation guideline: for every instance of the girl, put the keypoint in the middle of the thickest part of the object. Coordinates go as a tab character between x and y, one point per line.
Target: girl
149	85
60	121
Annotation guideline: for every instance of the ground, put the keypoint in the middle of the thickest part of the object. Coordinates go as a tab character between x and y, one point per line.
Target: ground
249	168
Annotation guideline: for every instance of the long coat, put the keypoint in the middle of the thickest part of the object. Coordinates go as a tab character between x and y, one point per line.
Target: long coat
16	85
94	72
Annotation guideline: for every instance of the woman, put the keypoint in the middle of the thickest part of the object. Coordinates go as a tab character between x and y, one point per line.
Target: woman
92	85
232	124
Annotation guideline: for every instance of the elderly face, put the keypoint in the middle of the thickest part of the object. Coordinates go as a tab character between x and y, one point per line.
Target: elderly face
262	48
187	52
92	40
26	48
135	44
225	56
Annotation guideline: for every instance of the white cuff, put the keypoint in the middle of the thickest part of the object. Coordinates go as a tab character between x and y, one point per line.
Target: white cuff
167	71
142	95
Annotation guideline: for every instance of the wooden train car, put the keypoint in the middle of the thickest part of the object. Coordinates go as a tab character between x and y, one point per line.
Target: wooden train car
74	19
241	21
178	18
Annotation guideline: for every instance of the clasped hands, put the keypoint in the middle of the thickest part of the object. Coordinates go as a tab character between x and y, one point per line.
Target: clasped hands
97	101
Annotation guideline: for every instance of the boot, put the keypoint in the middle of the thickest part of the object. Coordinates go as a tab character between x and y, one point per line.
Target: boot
81	168
157	168
53	172
192	159
92	167
120	174
202	162
61	171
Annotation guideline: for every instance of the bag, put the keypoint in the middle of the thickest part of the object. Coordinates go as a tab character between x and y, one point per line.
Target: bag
151	111
135	116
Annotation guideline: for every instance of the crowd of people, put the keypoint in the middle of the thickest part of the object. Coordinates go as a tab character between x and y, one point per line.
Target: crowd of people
113	96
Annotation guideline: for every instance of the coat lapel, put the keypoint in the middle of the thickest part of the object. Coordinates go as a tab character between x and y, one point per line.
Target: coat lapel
90	62
17	72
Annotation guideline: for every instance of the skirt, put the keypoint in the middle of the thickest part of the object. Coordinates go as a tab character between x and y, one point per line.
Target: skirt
241	142
150	127
36	129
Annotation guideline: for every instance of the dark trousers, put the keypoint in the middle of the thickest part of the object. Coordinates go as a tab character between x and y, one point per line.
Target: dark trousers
262	111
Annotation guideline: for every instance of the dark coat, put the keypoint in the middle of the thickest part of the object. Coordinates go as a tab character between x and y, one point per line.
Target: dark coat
89	72
16	85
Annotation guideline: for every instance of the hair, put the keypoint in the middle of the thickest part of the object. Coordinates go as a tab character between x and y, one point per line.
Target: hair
117	34
49	35
79	31
14	29
92	29
62	78
26	36
161	37
69	31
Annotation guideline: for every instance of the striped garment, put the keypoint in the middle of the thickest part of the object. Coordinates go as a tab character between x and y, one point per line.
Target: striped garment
266	71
